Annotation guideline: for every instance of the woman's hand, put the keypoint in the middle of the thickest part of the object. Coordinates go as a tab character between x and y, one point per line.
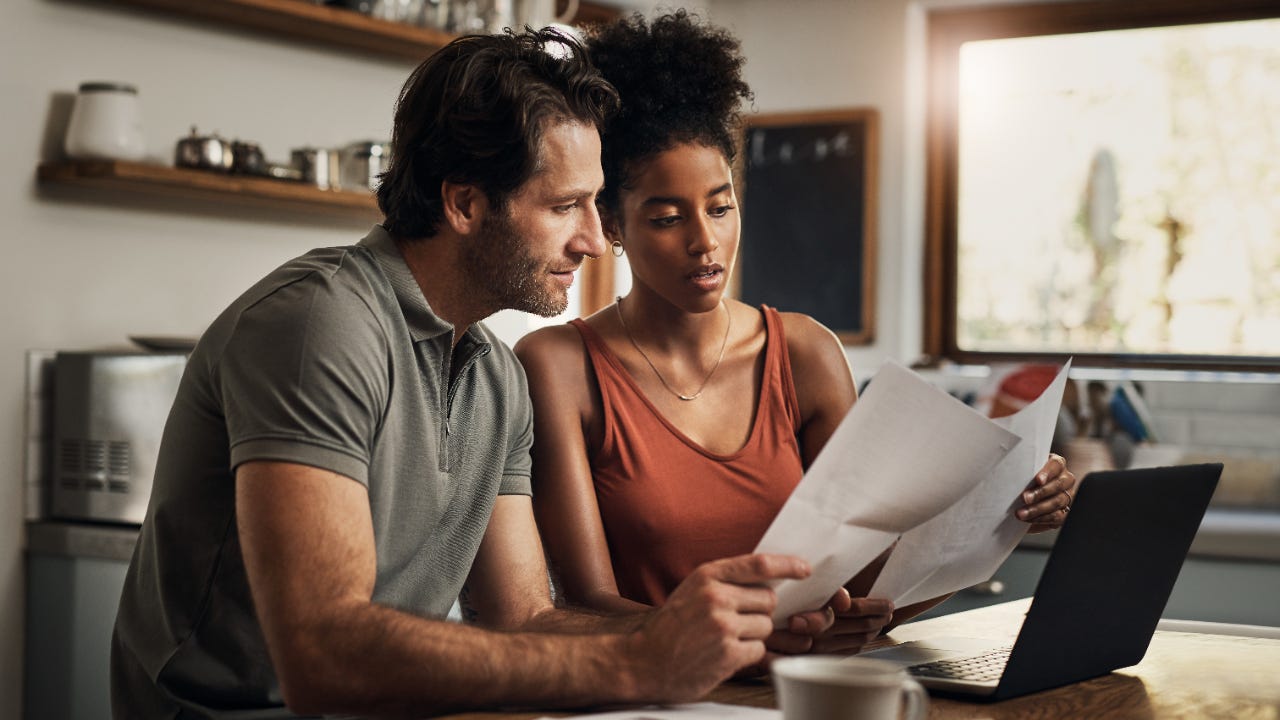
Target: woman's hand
855	626
1047	500
843	626
804	628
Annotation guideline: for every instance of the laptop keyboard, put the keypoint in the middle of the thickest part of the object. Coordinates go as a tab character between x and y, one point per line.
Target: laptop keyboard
987	666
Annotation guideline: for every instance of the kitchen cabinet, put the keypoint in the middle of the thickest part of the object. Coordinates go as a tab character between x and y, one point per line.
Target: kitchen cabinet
75	573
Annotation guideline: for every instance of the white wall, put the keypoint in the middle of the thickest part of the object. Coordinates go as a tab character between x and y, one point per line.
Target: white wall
83	274
829	54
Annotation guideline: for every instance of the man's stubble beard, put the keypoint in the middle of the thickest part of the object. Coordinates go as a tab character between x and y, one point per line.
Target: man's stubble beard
500	265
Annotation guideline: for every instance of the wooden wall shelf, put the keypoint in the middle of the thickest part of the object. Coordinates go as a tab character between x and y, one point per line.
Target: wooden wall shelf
333	26
304	20
206	186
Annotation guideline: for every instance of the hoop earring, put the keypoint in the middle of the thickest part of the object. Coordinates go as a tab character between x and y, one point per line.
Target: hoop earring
617	248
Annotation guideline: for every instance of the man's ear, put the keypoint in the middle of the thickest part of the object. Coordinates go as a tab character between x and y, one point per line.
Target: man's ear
464	206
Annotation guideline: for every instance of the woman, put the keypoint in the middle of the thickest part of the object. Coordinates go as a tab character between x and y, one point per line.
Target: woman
672	425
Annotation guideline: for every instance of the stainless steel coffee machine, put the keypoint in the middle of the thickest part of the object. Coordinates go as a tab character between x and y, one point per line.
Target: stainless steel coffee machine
109	412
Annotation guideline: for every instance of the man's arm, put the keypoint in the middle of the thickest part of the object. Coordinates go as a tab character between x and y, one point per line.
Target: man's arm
508	587
308	548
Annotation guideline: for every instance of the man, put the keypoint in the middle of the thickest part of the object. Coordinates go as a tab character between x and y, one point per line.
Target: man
350	447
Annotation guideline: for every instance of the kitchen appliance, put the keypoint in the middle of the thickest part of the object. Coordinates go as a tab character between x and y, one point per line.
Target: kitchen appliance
247	158
281	171
361	163
319	166
105	123
204	152
109	411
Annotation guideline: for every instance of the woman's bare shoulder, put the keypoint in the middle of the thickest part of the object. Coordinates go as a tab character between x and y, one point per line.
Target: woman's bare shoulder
559	371
553	340
808	339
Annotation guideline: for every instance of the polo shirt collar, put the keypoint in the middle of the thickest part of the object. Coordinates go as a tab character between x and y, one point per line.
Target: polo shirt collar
423	323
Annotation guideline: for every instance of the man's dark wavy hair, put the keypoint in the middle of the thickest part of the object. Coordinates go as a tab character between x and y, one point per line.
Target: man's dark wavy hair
680	81
475	112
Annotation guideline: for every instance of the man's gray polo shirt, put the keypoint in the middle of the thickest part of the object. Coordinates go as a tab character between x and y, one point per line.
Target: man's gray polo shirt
334	360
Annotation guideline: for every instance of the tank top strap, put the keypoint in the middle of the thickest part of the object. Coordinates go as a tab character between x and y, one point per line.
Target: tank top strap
603	361
779	360
610	377
597	349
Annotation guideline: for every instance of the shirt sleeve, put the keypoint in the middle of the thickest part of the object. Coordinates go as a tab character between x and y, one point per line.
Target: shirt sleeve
304	378
519	466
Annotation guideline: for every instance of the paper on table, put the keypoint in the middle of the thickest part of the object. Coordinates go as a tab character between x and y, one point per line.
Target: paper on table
904	452
966	543
691	711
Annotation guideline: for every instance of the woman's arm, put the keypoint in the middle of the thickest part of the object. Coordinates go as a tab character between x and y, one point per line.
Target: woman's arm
565	411
825	392
823	381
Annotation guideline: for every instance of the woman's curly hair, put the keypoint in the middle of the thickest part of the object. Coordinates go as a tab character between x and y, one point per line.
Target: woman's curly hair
679	81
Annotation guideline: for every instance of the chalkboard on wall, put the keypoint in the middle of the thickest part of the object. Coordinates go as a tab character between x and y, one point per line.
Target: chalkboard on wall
808	217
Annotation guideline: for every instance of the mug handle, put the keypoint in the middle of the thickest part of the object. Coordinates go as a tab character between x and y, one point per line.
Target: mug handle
570	11
915	700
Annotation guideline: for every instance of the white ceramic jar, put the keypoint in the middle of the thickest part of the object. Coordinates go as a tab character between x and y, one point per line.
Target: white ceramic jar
105	123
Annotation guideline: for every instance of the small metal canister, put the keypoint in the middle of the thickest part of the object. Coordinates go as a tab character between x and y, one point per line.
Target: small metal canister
362	163
205	152
247	158
319	166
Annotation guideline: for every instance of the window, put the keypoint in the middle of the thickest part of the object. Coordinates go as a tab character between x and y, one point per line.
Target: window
1103	182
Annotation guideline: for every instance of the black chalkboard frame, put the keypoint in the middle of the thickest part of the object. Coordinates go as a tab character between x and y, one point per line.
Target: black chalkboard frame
857	294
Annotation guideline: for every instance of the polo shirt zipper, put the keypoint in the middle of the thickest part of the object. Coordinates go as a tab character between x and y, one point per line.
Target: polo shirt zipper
454	381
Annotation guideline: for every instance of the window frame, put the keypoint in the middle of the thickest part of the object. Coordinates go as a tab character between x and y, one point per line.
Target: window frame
948	30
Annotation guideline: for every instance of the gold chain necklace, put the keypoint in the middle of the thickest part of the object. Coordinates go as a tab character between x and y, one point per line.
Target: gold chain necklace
617	305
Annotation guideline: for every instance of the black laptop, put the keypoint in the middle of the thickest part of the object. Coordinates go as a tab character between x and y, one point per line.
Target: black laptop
1100	596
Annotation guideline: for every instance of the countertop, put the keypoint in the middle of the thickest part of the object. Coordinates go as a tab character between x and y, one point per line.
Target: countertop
105	541
1184	675
1226	534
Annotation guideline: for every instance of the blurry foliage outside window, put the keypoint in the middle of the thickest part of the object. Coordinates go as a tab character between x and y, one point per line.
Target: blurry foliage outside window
1119	192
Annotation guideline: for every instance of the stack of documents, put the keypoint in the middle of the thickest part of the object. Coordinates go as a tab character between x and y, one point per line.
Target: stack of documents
913	465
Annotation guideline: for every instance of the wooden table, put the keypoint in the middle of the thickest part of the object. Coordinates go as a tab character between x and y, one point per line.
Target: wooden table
1183	675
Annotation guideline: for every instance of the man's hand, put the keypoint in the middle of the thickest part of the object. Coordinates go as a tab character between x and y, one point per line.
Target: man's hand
714	623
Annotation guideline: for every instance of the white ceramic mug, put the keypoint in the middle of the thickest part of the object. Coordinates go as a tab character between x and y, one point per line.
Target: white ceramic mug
817	687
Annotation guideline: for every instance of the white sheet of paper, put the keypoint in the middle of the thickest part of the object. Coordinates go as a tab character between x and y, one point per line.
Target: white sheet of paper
905	452
690	711
966	543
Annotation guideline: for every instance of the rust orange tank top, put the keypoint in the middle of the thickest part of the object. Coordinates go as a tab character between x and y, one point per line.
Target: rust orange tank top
668	504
